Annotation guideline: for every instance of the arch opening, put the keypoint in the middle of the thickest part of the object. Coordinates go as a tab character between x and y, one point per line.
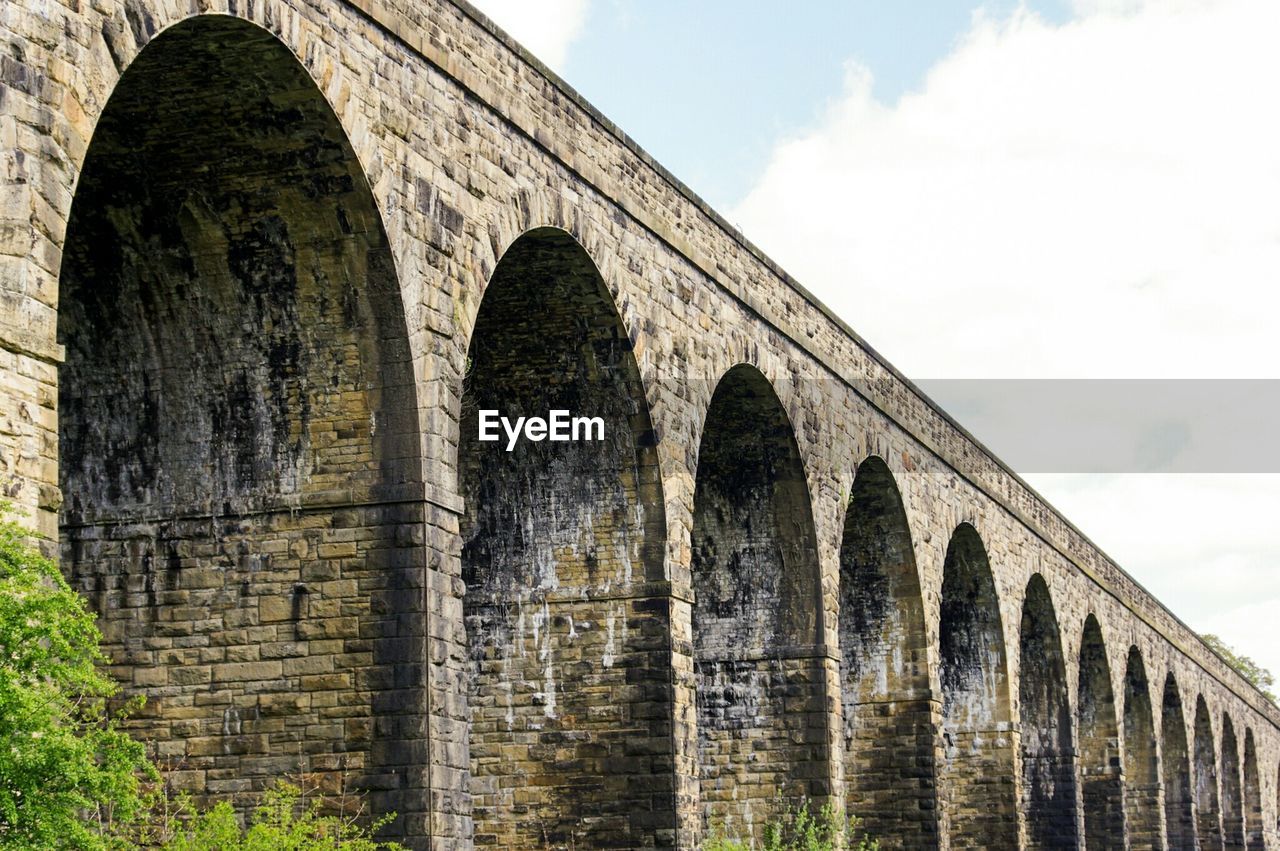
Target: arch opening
890	721
1102	781
1255	833
238	437
567	743
1179	800
1232	789
1143	812
1208	808
762	720
1048	761
978	757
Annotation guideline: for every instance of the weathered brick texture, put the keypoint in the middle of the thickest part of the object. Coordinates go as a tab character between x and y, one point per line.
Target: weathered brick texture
260	264
1144	803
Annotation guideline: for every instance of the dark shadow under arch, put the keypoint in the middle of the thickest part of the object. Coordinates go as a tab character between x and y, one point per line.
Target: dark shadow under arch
890	721
569	674
1143	812
1208	808
1179	799
1232	790
1102	781
1255	833
1048	764
761	696
239	444
978	765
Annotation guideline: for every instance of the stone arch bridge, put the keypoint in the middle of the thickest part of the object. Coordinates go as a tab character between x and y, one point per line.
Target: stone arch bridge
261	264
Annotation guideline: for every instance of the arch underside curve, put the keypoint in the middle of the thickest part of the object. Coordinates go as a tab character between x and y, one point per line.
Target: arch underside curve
1205	761
569	676
1255	832
1049	792
1144	802
891	721
238	434
761	674
1179	794
978	778
1102	780
1233	834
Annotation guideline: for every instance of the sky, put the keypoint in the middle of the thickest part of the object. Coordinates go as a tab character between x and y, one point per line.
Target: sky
1060	189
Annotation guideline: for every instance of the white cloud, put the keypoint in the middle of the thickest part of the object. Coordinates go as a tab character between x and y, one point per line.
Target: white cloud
1092	199
545	28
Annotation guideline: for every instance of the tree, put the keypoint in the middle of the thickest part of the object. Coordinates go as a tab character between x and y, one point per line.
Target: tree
70	777
68	774
1261	678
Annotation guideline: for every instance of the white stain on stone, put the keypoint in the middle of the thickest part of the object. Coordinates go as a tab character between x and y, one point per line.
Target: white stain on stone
607	658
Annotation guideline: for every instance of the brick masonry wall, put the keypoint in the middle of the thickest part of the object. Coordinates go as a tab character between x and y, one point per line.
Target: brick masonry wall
1101	758
569	649
1144	801
465	145
761	676
891	720
1179	794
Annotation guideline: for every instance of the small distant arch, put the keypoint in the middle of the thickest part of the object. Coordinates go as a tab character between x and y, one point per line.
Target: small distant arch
1141	759
1255	833
1179	801
1232	789
890	720
1102	784
556	536
975	700
1208	805
1048	761
756	621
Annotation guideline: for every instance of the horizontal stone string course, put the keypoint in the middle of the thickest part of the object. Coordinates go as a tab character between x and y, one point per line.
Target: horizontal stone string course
262	264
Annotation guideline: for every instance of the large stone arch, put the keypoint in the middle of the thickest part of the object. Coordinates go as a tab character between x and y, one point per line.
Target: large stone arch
890	720
1102	779
1208	807
1232	791
1144	814
1044	712
1255	832
239	448
978	765
757	631
1179	796
560	538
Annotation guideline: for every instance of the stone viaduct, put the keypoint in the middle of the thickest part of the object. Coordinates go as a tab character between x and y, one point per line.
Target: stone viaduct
261	264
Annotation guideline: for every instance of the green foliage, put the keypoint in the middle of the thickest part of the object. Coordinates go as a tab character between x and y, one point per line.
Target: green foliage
68	774
800	829
1246	667
71	778
286	821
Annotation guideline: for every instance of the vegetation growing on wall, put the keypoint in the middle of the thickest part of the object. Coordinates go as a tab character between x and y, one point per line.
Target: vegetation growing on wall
67	773
71	778
799	828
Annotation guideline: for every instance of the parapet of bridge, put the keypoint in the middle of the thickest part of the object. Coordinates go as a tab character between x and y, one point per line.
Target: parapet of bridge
262	262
